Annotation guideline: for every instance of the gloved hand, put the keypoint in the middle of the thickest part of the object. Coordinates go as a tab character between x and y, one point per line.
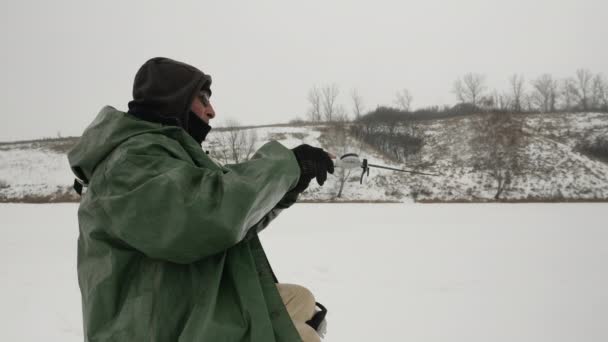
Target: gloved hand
314	163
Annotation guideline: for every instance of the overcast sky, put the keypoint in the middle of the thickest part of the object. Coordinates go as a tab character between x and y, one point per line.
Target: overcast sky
61	60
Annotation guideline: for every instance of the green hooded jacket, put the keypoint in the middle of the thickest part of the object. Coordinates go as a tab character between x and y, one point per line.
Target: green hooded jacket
168	247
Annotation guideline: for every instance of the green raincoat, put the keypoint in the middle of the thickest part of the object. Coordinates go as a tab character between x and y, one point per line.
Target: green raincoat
168	247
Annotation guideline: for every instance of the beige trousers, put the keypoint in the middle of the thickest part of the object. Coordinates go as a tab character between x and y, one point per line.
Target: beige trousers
300	304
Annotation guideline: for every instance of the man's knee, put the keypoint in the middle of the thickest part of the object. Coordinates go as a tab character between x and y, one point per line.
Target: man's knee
293	290
300	302
307	333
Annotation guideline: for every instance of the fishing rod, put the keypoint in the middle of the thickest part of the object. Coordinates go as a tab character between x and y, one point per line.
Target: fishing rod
351	161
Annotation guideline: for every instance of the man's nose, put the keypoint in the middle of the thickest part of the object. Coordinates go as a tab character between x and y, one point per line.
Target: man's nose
209	111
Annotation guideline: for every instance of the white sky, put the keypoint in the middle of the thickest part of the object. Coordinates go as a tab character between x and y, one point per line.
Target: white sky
62	60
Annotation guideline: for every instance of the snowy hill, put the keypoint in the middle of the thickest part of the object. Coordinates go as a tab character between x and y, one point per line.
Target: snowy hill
551	165
548	160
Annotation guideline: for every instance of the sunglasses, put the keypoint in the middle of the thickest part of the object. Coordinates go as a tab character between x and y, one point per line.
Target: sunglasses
204	97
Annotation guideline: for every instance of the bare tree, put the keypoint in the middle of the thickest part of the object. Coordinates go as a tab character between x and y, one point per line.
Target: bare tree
340	114
459	91
337	139
330	93
502	101
605	96
568	93
599	92
583	87
357	104
486	102
470	88
545	93
528	102
497	141
233	144
314	99
517	91
403	99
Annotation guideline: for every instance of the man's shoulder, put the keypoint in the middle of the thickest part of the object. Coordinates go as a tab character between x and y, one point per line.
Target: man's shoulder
144	156
152	143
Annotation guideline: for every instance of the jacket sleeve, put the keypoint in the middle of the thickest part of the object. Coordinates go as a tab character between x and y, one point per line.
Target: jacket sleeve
287	201
170	209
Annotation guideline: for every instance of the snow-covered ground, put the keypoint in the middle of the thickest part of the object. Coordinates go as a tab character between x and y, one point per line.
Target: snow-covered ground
390	272
29	170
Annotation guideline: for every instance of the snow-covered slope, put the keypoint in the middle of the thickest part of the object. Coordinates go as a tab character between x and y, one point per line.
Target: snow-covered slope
553	168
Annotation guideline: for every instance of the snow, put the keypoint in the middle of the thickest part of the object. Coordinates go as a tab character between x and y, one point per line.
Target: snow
39	290
294	136
33	171
389	272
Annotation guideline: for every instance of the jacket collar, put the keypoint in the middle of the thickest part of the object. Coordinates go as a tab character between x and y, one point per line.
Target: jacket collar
197	128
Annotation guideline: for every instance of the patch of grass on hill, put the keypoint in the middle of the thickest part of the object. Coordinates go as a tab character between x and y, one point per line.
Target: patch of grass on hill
597	149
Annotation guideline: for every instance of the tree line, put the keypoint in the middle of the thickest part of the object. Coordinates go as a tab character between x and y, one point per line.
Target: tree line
585	91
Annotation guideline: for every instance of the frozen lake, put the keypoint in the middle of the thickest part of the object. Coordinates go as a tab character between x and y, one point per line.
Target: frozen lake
390	272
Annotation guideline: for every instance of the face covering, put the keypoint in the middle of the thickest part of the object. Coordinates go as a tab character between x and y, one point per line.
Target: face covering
197	128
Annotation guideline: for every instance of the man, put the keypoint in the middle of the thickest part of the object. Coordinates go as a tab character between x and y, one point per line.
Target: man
168	247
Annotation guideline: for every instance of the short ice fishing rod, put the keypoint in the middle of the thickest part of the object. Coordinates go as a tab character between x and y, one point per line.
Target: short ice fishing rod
351	161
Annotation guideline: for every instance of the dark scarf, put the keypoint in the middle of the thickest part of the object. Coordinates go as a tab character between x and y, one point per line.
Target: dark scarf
197	128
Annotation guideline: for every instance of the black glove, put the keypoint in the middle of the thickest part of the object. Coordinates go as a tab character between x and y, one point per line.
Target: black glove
314	163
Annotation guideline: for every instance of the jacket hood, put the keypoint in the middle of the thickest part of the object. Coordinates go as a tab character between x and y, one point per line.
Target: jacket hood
165	87
110	128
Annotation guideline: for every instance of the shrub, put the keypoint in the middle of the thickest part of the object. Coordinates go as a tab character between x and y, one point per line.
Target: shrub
598	148
393	144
